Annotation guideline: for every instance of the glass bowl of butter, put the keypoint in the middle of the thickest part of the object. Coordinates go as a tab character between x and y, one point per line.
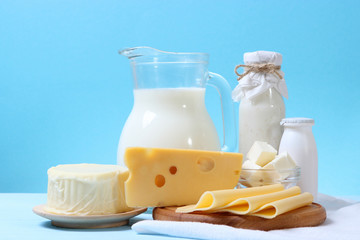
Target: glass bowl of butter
265	166
262	177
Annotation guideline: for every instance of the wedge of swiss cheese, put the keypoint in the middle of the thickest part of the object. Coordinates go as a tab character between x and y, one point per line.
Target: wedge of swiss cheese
176	177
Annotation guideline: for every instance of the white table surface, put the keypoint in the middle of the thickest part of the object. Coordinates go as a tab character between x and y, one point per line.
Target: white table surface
17	221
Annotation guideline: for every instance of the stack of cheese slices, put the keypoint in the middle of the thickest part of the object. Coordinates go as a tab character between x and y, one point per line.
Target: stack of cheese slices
266	201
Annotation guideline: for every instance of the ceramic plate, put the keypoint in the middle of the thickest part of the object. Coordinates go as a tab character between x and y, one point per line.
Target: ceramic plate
90	221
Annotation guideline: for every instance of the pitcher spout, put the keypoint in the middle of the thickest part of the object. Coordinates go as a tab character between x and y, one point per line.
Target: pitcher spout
141	51
140	55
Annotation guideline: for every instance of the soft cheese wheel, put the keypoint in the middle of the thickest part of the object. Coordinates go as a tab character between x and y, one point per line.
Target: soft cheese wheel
86	189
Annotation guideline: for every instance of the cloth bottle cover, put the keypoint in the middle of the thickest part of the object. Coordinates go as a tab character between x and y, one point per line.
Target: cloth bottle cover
266	75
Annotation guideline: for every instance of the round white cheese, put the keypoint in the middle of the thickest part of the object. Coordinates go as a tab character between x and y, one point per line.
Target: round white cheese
86	189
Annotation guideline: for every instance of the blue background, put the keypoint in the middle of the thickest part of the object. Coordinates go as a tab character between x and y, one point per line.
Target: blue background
65	92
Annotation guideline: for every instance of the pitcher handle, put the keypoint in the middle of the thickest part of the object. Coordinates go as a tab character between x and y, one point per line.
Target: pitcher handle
227	109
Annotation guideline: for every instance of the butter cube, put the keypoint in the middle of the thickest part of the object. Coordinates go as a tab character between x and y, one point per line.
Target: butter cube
261	153
281	163
250	165
253	178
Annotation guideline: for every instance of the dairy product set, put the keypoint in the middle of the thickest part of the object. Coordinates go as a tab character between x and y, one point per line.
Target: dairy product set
191	180
262	118
155	177
169	108
172	152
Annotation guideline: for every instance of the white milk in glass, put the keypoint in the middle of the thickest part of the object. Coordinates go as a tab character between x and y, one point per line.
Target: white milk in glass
169	118
259	120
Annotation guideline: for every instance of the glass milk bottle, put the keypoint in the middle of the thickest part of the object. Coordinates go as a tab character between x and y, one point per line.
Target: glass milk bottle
260	92
298	140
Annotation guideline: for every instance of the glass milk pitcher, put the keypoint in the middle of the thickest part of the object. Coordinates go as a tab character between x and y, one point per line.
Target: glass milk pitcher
169	103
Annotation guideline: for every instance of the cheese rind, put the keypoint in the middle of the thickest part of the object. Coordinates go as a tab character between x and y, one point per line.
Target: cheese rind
175	177
261	153
86	189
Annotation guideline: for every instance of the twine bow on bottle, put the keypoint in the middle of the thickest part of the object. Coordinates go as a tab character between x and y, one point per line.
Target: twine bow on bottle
258	78
257	68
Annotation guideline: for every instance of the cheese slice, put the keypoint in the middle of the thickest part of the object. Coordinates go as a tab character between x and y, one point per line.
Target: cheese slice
250	204
244	204
86	189
213	200
174	177
278	207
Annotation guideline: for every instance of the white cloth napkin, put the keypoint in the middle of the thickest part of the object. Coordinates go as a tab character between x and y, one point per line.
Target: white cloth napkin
343	222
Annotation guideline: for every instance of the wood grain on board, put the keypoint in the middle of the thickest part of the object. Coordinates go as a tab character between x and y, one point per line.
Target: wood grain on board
308	216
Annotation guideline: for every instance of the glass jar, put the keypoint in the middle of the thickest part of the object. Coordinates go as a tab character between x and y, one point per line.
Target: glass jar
259	120
260	91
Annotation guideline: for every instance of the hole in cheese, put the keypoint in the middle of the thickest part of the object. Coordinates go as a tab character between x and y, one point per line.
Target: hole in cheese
237	172
173	170
159	180
205	164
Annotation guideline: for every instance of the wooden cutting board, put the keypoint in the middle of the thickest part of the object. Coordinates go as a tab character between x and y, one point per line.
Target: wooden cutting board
311	215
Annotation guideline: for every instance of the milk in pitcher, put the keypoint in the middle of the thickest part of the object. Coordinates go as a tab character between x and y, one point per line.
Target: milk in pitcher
169	118
169	103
